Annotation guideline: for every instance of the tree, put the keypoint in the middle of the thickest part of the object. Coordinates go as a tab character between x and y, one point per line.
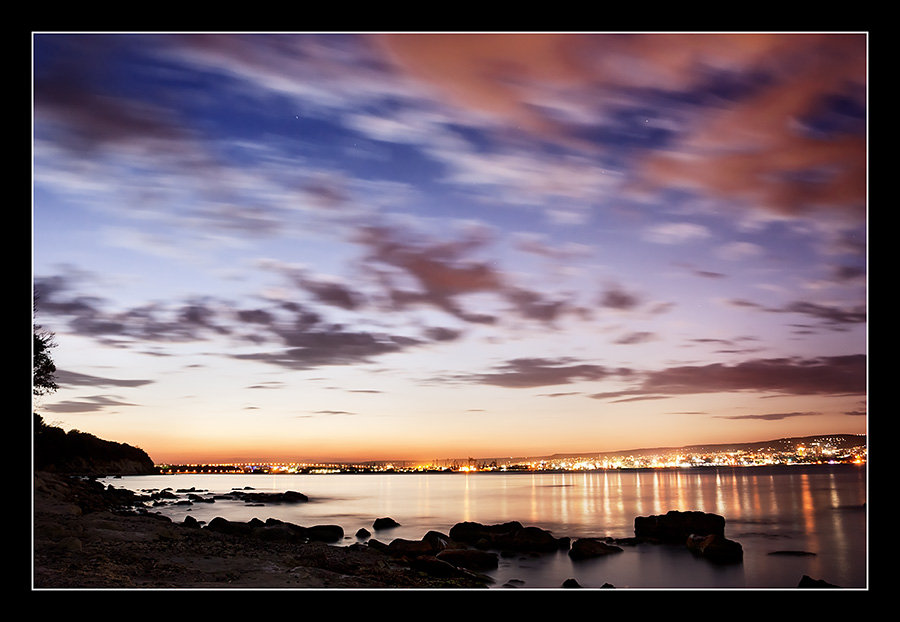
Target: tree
42	378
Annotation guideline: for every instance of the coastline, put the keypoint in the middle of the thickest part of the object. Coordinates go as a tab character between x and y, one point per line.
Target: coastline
89	535
85	538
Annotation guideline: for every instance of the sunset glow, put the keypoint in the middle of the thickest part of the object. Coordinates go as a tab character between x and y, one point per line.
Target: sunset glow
413	246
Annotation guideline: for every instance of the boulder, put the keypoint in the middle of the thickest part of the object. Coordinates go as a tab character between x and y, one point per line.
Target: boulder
471	532
511	536
438	541
384	523
400	547
435	567
378	545
471	559
276	533
325	533
223	525
363	533
588	548
809	582
676	527
528	539
571	583
716	548
288	496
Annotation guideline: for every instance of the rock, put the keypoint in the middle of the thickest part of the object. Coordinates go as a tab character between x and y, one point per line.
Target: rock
222	525
434	566
400	547
587	548
471	532
528	539
511	536
273	533
325	533
676	527
198	499
716	548
471	559
190	521
378	545
793	553
69	544
439	541
384	523
363	533
570	583
288	496
808	582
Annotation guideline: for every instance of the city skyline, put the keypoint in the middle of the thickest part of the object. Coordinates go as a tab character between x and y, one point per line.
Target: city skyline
368	246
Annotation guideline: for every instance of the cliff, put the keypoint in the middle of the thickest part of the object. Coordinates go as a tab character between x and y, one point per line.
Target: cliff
75	452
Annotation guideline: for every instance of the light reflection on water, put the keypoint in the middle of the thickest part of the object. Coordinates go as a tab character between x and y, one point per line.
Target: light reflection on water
815	509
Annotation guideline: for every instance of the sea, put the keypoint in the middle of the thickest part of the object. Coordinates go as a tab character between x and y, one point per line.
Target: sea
791	521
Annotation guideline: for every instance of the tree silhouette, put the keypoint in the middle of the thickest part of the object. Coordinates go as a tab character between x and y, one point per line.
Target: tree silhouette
42	378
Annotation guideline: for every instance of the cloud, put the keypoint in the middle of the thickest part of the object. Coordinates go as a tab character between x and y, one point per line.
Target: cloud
774	120
616	297
416	270
676	233
835	375
75	379
94	403
537	372
771	416
636	337
831	315
306	348
736	251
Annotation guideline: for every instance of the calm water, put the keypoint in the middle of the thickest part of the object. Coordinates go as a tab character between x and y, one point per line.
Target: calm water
818	509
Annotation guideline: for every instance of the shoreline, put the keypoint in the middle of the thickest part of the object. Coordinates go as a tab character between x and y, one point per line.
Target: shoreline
512	471
83	538
88	535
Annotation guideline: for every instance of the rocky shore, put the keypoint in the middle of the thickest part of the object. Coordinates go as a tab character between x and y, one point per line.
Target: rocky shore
87	536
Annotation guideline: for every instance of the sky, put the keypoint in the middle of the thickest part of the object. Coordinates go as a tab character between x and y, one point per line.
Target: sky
375	246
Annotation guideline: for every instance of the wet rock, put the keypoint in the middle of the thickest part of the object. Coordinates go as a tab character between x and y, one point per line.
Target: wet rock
716	548
223	525
384	523
288	496
363	533
471	559
198	499
511	536
439	541
400	547
471	532
809	582
434	566
588	548
571	583
676	527
325	533
793	553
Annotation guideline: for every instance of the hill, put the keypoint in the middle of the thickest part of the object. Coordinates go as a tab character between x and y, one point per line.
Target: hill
75	452
836	441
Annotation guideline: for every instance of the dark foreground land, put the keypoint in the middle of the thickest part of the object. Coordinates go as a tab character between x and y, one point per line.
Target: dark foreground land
85	538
